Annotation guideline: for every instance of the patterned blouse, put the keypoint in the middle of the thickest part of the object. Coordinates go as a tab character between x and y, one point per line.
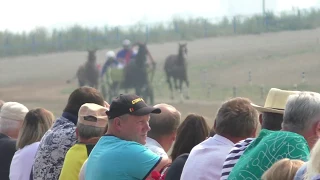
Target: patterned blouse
53	148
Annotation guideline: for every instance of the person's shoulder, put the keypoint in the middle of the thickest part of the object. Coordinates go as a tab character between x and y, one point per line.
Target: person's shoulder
9	144
287	136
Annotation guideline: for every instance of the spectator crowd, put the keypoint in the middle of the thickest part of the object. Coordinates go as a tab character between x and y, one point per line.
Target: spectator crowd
127	139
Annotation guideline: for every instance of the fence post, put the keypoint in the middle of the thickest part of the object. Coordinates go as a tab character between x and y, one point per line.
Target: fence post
250	78
303	77
205	29
209	91
7	46
118	34
60	41
147	33
234	90
33	43
234	25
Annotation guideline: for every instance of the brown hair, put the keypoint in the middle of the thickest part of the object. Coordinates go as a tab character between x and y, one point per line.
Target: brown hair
36	123
81	96
236	118
282	169
164	123
193	130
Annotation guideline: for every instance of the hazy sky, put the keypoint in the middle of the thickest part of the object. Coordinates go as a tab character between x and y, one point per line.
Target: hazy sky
19	15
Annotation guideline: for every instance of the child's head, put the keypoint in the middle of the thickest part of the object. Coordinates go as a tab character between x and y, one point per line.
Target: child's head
283	169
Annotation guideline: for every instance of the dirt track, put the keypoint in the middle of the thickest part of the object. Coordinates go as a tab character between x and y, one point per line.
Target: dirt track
40	81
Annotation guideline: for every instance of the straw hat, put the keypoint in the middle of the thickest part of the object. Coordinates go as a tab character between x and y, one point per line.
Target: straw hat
276	101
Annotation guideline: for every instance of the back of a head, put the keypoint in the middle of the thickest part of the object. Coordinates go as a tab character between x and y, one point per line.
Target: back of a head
313	167
301	112
11	116
92	121
164	123
236	118
272	121
192	131
282	169
36	123
81	96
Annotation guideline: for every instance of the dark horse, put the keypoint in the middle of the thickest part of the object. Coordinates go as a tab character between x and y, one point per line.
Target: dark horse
136	75
88	73
176	67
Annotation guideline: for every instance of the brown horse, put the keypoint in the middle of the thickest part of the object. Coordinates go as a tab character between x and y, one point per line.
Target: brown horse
88	73
176	67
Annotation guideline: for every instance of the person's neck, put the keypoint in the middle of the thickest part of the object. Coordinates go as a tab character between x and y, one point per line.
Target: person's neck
93	140
165	143
10	134
232	138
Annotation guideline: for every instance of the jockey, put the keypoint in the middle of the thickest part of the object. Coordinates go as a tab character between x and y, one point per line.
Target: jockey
125	55
110	62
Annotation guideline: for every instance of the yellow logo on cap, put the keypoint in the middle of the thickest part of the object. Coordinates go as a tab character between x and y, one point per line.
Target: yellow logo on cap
136	100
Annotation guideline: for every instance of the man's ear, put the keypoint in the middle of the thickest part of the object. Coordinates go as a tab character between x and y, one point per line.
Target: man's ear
174	136
77	132
317	129
260	118
117	123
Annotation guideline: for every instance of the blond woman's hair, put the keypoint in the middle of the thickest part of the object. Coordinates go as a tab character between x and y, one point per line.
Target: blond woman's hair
36	123
313	165
283	169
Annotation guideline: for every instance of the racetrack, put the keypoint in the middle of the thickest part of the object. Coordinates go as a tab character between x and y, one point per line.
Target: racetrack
274	59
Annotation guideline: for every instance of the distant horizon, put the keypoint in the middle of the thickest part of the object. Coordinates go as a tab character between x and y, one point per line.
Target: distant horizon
36	13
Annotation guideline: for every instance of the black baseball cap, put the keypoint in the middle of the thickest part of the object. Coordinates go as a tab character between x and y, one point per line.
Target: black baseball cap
130	104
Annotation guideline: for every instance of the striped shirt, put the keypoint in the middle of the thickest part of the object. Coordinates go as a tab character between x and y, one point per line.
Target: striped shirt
233	157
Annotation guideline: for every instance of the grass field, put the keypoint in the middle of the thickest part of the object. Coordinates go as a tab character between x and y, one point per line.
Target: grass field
274	59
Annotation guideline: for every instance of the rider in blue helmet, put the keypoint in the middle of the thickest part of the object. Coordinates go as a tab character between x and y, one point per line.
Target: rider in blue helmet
125	55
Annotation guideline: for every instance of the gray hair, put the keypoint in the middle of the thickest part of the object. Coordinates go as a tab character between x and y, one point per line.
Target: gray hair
301	112
87	132
9	125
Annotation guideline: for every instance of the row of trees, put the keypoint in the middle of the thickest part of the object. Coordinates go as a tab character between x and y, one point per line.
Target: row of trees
42	40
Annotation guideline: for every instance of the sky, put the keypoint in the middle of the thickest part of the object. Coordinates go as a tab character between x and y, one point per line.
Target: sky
25	15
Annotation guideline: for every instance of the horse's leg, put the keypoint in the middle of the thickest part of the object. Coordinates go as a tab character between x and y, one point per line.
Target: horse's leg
170	86
180	89
187	91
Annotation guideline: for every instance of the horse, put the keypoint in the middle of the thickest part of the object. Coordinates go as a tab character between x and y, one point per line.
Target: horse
134	75
175	67
88	73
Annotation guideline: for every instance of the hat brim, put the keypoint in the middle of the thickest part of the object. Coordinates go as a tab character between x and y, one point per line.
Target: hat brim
145	111
270	110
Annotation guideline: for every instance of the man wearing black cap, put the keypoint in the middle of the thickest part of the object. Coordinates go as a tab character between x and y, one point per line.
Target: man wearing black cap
120	153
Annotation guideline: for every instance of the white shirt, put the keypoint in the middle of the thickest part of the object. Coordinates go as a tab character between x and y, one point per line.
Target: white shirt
205	160
22	162
155	147
82	173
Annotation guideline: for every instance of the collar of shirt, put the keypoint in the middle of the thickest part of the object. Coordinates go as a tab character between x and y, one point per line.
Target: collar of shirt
222	139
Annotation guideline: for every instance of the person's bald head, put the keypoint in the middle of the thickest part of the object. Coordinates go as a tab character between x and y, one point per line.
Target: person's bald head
165	123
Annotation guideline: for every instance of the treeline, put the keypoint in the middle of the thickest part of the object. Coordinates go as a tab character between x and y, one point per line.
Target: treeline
42	40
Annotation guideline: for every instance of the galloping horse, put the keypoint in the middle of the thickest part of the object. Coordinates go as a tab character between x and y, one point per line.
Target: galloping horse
176	67
88	73
136	75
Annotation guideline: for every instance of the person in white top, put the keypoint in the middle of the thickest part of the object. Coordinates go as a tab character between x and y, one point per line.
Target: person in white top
36	123
236	120
163	129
